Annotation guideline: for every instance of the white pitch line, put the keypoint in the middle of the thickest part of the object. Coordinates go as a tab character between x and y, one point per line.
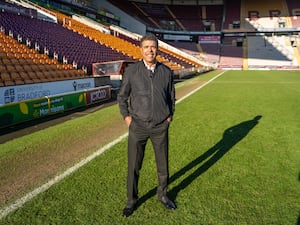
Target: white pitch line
21	201
197	89
18	203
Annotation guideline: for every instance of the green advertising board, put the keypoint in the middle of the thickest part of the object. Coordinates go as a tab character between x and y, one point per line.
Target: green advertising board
23	111
14	113
61	103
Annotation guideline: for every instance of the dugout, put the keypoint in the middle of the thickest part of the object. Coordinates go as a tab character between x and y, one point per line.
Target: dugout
114	70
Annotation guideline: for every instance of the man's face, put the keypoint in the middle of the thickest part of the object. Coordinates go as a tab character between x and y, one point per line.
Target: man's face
149	51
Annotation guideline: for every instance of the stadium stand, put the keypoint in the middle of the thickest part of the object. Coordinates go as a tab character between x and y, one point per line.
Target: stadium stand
231	54
268	15
39	48
126	47
211	52
67	46
232	15
157	13
84	45
294	12
188	47
132	9
22	65
129	46
272	52
190	21
175	17
51	41
214	15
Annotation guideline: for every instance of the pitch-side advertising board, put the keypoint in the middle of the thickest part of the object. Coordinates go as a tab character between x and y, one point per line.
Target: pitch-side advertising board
18	93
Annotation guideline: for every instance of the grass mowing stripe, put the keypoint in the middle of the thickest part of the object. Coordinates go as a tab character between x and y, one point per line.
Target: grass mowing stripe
186	96
255	182
18	203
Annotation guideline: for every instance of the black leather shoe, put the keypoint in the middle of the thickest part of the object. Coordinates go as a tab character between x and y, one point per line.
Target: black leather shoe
127	211
168	203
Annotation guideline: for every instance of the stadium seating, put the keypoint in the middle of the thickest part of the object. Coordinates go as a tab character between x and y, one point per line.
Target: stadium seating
273	52
84	46
293	7
189	47
21	65
210	52
132	9
129	46
190	21
268	15
232	14
173	60
231	57
214	14
157	13
75	47
34	50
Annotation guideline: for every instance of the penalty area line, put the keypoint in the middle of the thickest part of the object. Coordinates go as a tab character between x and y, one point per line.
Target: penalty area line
21	201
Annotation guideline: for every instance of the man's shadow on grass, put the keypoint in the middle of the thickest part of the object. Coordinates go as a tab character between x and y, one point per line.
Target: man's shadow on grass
231	137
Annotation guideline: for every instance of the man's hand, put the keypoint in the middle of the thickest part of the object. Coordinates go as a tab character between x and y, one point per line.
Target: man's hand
128	120
169	119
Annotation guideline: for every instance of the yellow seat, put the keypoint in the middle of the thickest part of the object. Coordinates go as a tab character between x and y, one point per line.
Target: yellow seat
6	61
2	68
28	81
6	79
19	68
15	76
27	68
10	68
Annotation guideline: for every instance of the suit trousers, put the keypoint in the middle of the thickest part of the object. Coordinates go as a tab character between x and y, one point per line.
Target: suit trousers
139	133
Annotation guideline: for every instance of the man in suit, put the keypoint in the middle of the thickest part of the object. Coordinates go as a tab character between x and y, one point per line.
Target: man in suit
147	102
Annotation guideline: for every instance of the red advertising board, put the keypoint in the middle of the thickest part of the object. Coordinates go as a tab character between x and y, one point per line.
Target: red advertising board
209	39
98	94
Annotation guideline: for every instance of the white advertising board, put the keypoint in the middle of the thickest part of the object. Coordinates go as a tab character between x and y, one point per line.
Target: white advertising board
19	93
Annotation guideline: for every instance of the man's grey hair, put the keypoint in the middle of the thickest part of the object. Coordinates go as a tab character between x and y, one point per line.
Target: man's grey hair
149	37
